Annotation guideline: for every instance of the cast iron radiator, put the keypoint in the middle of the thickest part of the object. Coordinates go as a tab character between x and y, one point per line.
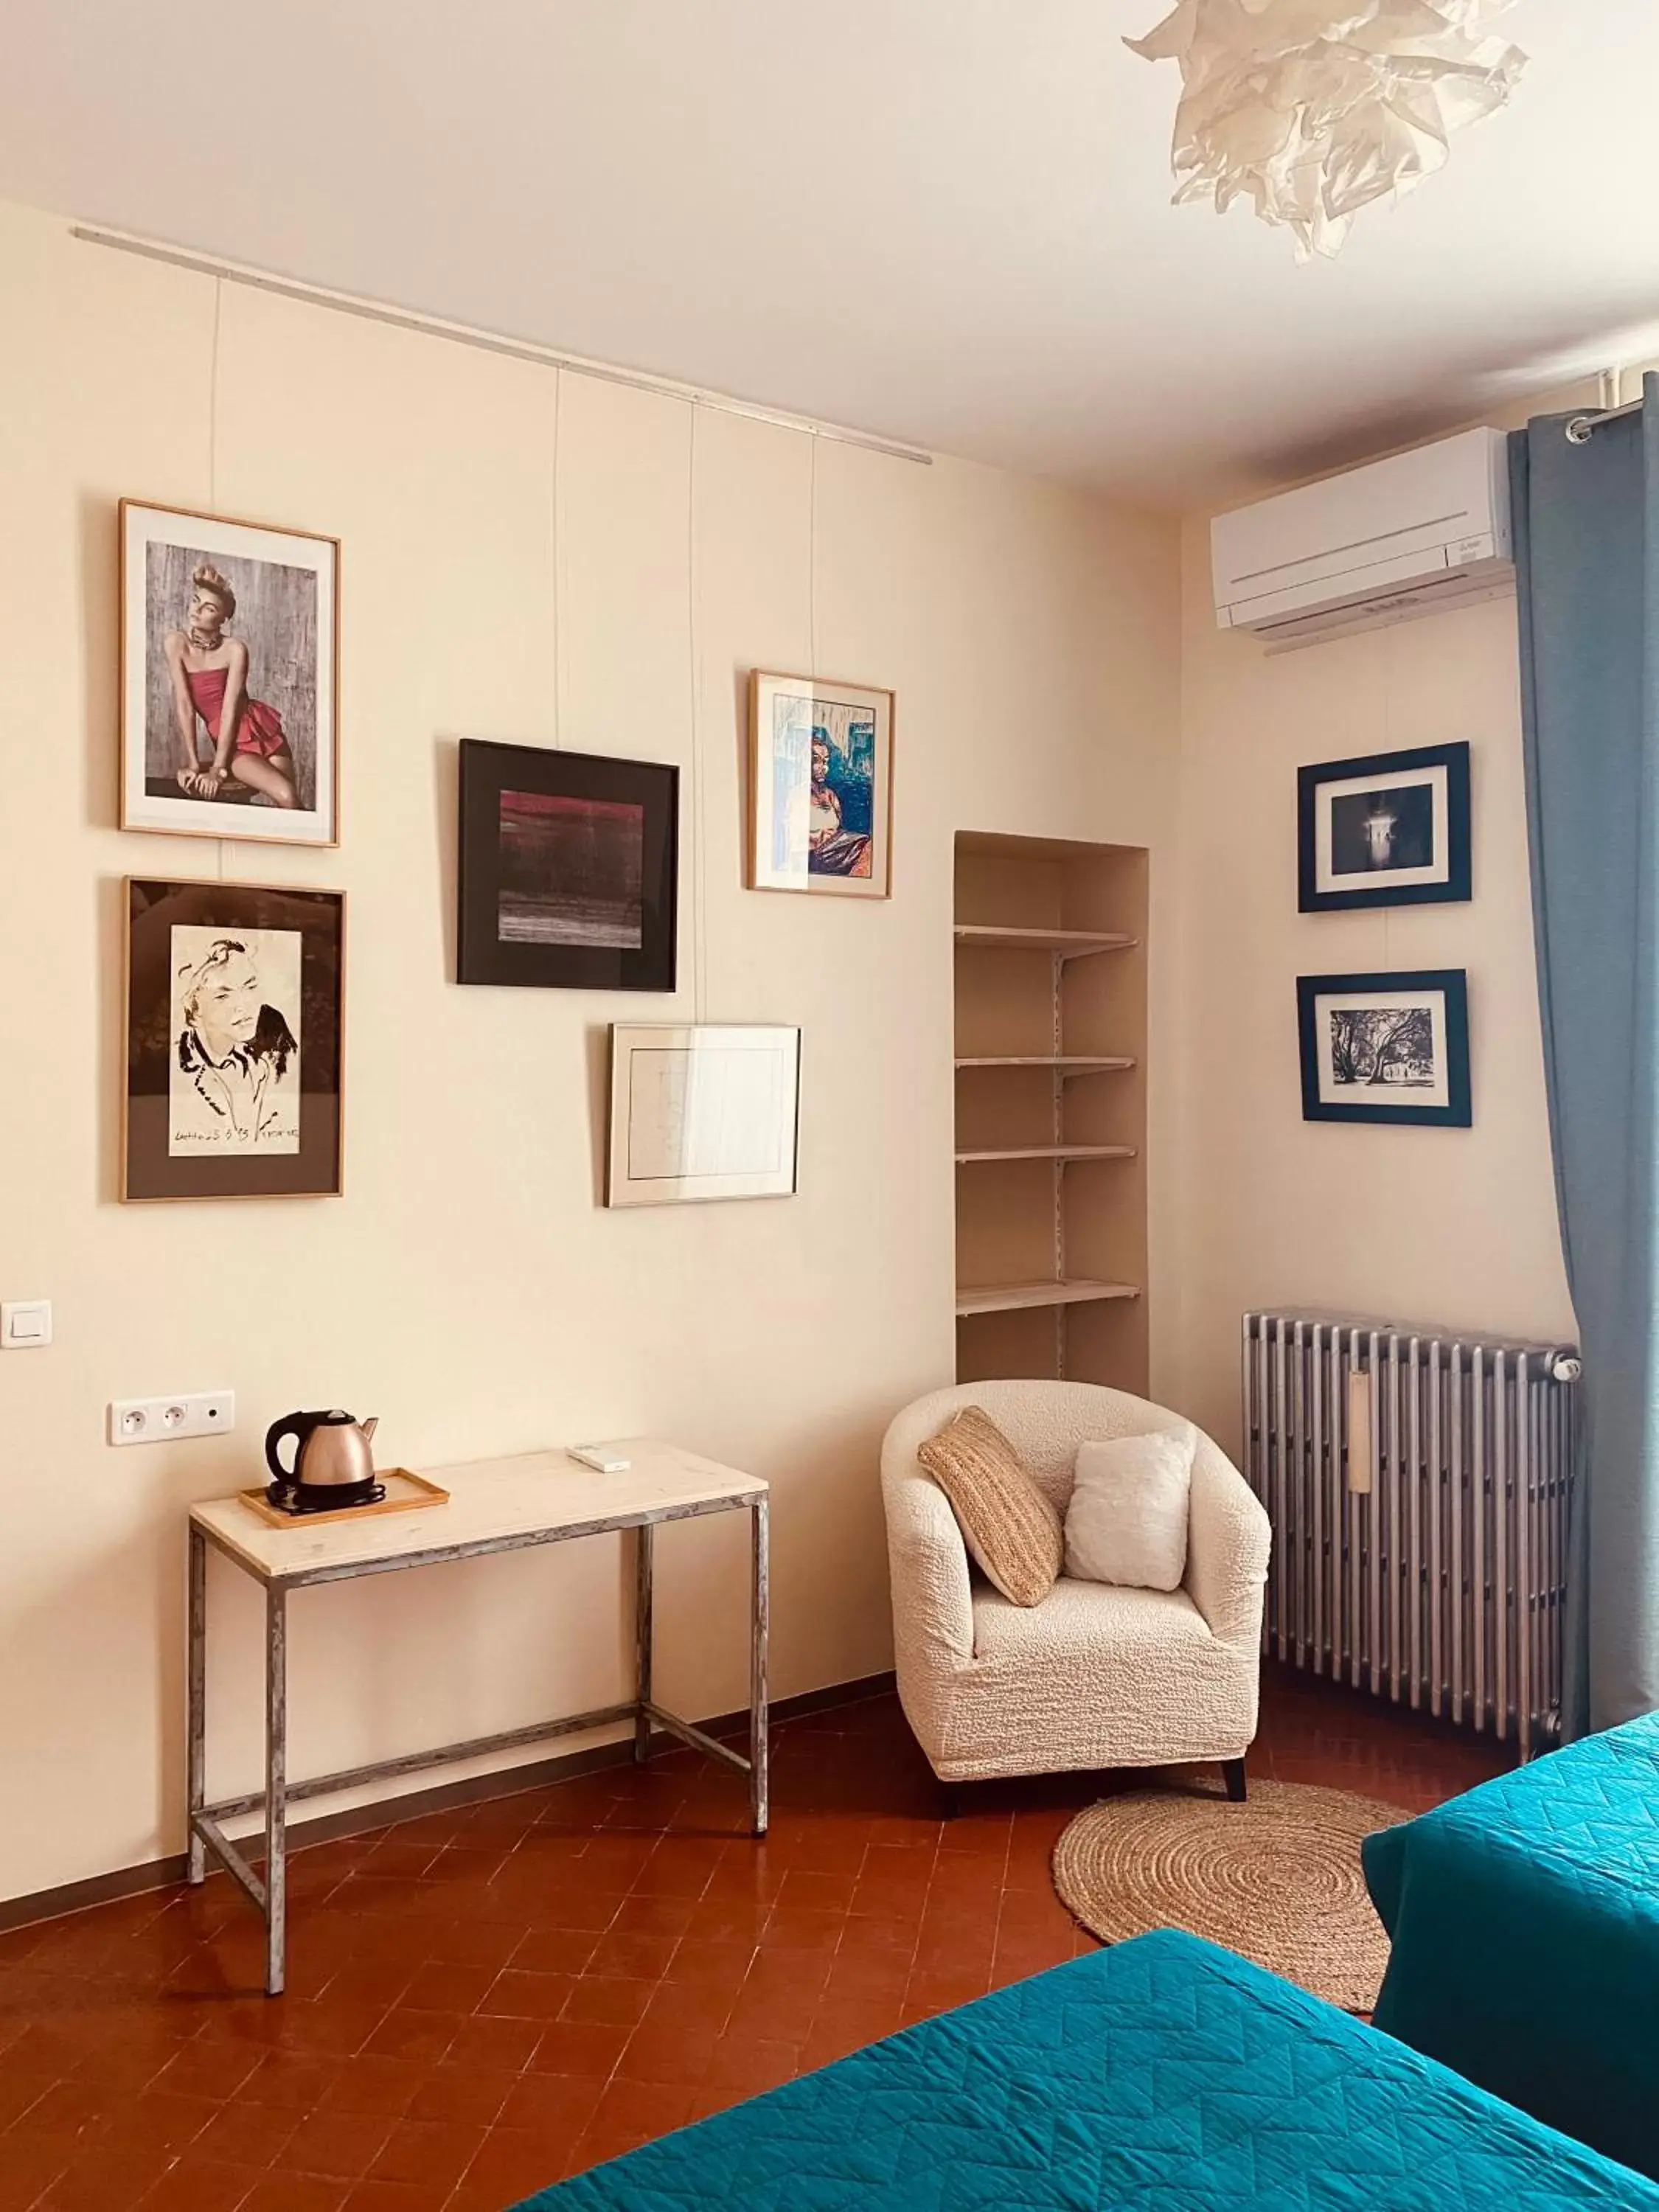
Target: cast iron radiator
1418	1487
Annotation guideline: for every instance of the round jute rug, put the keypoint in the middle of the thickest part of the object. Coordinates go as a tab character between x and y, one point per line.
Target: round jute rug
1277	1879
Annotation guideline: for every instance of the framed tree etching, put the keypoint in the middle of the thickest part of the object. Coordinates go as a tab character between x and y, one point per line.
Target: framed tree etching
1386	1048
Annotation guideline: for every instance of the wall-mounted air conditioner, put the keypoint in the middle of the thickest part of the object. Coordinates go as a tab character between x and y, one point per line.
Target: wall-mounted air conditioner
1385	543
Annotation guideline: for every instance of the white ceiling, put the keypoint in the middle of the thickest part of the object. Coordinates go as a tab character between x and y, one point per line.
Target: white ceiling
944	220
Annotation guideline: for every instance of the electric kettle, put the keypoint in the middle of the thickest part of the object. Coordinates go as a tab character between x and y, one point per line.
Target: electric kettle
334	1466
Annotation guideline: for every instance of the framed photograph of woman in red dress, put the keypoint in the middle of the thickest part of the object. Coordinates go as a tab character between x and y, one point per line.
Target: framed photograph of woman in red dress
229	678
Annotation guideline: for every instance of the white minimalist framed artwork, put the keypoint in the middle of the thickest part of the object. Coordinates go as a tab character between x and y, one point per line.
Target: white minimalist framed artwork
703	1110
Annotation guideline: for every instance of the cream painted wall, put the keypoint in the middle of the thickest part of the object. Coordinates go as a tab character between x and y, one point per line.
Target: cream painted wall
553	561
1452	1226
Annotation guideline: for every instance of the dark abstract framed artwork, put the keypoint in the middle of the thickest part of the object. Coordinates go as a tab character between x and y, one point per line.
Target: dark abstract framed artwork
1390	830
1386	1048
234	1029
569	869
229	678
820	786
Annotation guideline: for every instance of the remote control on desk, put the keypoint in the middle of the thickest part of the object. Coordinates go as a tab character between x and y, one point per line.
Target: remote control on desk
604	1459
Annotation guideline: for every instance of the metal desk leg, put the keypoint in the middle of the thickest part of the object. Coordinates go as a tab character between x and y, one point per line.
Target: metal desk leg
642	1565
196	1701
275	1788
760	1516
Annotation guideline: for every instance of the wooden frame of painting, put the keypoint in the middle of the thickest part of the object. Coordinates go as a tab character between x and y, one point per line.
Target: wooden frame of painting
233	1023
1388	829
820	786
1386	1048
228	620
569	875
703	1110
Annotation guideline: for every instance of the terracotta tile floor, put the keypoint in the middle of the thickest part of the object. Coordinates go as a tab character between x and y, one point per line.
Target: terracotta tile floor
481	2001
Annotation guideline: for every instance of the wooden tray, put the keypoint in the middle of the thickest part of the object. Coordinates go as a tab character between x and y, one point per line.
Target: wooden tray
404	1494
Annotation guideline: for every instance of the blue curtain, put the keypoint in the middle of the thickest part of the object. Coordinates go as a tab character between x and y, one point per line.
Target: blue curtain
1587	540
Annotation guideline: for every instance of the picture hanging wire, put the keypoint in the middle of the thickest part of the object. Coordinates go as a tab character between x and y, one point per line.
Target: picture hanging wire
558	555
221	845
699	806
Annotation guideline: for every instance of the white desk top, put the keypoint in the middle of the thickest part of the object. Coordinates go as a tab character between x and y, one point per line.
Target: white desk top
491	1502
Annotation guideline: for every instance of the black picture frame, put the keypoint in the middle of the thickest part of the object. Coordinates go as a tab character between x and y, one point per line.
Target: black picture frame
1448	985
632	889
1328	787
187	1111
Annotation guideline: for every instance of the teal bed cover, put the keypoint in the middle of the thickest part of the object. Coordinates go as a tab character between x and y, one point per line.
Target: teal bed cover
1525	1919
1163	2074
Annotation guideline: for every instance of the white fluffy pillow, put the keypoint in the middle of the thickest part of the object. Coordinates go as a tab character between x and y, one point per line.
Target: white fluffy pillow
1126	1521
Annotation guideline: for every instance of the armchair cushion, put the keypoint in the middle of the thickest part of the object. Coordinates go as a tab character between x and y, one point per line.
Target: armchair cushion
1127	1521
1010	1527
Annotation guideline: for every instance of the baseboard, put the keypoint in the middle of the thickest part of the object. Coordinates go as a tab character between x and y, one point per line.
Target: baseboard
326	1827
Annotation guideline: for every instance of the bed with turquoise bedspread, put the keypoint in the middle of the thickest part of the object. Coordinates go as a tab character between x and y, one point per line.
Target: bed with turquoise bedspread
1164	2073
1525	1919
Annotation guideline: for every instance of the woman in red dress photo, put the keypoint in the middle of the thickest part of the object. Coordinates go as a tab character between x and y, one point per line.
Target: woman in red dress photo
210	677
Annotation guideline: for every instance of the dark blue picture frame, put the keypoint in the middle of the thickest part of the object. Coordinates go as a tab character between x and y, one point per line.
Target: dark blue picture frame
1458	887
1451	984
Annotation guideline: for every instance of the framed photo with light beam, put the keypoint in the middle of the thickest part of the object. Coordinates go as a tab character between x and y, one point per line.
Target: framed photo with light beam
1390	830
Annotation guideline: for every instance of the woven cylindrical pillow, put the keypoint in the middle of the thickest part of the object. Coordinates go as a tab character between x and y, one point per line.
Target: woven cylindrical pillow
1008	1525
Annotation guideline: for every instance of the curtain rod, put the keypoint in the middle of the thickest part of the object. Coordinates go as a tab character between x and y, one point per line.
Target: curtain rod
379	311
1583	427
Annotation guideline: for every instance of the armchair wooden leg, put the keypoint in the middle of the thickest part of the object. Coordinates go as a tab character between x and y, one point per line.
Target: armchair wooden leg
1232	1773
950	1800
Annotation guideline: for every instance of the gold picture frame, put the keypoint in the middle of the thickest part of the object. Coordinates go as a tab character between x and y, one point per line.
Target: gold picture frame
820	816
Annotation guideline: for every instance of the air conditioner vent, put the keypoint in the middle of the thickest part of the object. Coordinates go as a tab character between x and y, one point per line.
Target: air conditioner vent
1402	537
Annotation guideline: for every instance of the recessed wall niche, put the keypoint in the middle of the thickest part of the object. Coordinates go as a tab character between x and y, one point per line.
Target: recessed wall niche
1051	1110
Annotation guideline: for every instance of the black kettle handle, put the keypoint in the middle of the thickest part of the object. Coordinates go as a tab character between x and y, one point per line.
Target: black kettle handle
297	1425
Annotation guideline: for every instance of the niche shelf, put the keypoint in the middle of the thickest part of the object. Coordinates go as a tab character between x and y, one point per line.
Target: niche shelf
1050	1108
1063	944
1050	1152
1076	1064
1021	1298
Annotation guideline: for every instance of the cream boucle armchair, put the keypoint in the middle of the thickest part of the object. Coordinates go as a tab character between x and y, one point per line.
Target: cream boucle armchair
1095	1676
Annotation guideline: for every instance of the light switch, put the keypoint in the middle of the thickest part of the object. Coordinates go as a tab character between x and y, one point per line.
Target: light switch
25	1324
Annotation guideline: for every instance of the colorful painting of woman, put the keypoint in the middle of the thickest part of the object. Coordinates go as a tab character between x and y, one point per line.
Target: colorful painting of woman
821	783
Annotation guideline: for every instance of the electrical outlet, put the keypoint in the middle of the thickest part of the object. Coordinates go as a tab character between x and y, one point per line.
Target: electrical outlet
154	1421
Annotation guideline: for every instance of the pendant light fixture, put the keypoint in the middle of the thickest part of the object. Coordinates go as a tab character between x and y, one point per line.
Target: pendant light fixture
1312	109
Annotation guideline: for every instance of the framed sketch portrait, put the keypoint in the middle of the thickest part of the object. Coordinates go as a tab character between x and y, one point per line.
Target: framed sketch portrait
702	1111
233	1026
229	678
820	786
1392	829
568	874
1388	1048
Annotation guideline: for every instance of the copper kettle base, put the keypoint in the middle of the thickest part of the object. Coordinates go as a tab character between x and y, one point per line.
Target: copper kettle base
300	1498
